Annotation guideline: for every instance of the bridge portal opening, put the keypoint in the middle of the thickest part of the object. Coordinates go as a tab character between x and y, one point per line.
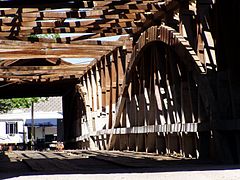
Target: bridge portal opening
31	123
63	95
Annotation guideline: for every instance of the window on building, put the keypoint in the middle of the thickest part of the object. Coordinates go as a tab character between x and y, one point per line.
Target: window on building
11	128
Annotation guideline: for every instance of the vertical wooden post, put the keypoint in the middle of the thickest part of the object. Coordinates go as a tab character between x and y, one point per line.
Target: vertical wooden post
90	101
108	80
114	93
103	84
94	97
71	119
121	70
100	118
108	76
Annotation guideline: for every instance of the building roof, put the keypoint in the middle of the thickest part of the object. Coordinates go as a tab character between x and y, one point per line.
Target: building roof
53	104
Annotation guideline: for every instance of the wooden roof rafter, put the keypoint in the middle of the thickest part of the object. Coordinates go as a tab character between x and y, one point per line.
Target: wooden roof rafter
79	30
118	8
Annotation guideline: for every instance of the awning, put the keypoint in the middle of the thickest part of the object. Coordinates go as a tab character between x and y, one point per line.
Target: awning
41	122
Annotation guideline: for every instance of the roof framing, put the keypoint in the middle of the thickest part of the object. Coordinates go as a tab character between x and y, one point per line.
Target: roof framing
60	29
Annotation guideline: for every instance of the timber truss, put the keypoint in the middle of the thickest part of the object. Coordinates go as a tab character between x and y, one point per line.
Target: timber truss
139	68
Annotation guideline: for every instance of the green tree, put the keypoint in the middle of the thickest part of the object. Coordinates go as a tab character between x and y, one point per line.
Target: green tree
16	103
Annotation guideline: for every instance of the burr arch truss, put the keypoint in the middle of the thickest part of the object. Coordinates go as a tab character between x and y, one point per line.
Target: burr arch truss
155	98
142	86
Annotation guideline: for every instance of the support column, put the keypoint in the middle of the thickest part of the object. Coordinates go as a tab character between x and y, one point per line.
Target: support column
72	105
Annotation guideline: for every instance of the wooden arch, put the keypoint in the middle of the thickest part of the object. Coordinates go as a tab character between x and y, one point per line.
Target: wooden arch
109	83
181	46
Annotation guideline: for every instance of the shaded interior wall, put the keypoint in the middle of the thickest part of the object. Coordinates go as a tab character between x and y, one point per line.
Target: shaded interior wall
228	80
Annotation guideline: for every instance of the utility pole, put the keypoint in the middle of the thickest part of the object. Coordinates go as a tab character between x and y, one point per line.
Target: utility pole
32	125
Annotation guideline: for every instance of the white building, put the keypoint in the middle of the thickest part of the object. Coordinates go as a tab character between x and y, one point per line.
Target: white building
12	131
15	126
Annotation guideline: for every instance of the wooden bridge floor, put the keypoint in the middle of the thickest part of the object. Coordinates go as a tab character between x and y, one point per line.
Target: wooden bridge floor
79	162
91	162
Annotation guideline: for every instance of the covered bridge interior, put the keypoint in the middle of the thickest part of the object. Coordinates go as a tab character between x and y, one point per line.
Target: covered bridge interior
142	75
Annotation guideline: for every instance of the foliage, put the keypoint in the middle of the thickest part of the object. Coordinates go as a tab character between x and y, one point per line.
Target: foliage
47	36
16	103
